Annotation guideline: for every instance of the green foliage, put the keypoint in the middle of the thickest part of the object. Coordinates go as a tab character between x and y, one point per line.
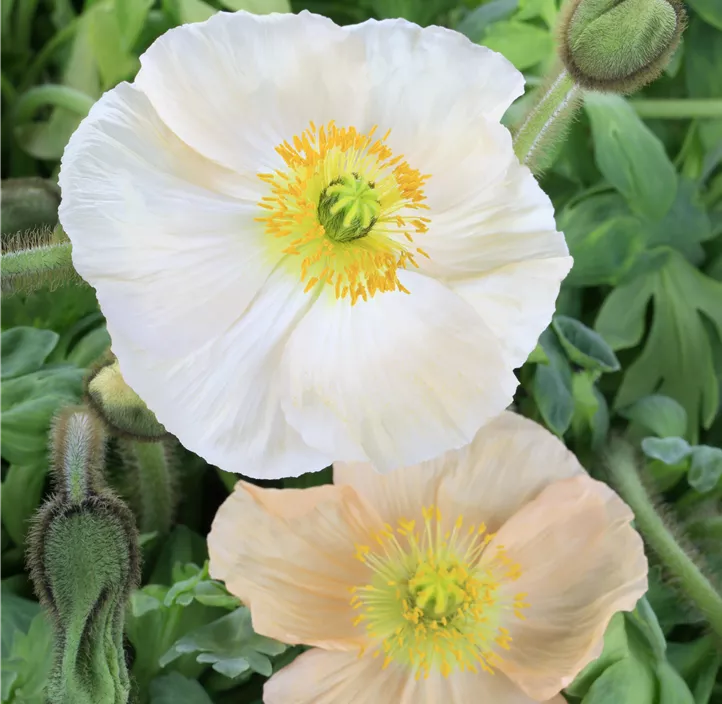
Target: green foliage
634	350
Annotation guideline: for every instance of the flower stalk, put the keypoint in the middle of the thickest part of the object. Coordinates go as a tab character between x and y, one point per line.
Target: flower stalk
660	538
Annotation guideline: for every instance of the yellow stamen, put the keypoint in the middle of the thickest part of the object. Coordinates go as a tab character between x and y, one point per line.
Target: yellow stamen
345	209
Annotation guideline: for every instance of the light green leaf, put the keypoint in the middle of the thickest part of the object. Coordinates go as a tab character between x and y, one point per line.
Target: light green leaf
625	682
230	645
194	11
22	490
258	7
545	9
176	689
706	468
30	662
630	156
668	450
525	45
114	60
660	414
603	236
584	346
703	60
17	614
672	688
677	359
130	18
709	10
24	350
552	386
475	22
90	348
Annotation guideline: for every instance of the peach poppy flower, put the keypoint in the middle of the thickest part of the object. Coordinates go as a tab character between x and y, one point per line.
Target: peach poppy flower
489	574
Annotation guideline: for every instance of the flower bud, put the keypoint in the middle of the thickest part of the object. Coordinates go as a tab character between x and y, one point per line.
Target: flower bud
123	411
619	45
83	559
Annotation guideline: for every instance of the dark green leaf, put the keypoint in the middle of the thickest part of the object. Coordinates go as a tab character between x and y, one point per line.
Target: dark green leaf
176	689
22	491
703	60
603	236
584	346
552	387
630	156
16	614
709	10
24	350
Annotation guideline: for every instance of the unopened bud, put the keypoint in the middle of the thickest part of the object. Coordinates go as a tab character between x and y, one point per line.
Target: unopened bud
619	45
83	560
120	407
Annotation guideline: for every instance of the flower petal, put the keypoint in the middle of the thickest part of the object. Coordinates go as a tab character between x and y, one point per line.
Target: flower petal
509	462
222	400
167	238
289	556
581	562
319	677
395	379
237	85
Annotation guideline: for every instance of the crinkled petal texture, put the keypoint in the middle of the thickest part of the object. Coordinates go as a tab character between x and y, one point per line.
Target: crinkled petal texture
579	561
210	319
319	677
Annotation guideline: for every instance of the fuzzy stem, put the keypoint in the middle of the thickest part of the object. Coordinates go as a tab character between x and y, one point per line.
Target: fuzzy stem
156	486
552	111
691	579
677	109
26	270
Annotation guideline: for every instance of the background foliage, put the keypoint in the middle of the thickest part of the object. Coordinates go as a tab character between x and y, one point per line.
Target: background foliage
636	346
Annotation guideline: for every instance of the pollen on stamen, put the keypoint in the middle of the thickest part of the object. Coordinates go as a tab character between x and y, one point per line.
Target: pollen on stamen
437	599
355	237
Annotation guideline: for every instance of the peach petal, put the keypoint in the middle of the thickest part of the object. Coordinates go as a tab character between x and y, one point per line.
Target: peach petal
289	556
507	464
321	677
581	562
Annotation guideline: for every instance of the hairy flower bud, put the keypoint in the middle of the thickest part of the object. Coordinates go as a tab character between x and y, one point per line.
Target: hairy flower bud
123	411
83	559
619	45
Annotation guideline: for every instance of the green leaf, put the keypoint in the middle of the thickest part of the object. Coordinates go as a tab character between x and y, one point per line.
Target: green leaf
230	645
176	689
525	45
668	450
193	10
672	688
685	226
16	614
28	404
199	586
616	648
645	621
677	358
30	662
130	16
181	547
630	156
115	62
22	491
544	9
703	60
584	346
90	348
475	22
603	237
709	10
258	7
309	479
706	468
625	682
552	386
660	414
24	350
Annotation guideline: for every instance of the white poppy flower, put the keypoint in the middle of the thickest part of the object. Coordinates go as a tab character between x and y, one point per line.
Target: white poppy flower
314	243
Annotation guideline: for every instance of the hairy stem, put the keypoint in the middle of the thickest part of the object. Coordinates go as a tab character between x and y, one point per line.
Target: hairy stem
26	270
658	536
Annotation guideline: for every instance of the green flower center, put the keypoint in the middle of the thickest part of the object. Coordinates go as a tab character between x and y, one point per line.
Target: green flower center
348	208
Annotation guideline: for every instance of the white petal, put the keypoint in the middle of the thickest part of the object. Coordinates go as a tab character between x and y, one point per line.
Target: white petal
167	238
397	379
222	400
236	86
